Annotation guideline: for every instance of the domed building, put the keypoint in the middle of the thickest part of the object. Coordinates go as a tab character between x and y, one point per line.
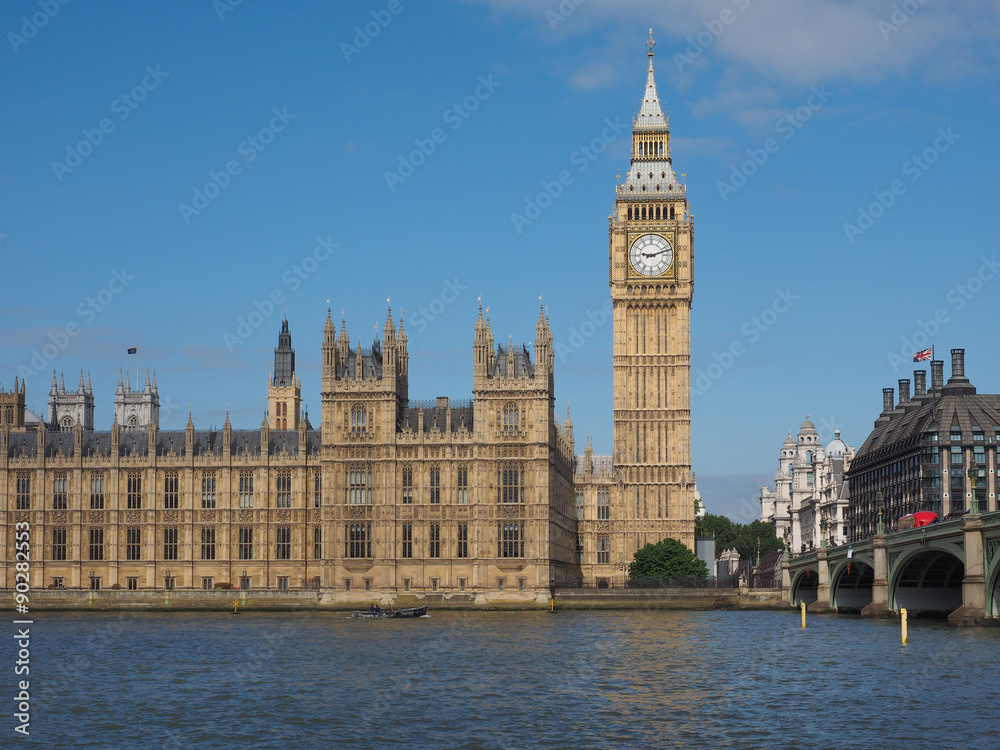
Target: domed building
810	496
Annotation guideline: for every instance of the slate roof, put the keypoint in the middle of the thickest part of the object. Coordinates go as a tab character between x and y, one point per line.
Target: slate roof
205	442
902	429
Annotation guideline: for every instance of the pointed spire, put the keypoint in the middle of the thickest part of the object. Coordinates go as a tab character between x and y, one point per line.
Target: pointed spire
227	424
62	382
55	383
82	387
190	422
121	381
328	328
390	327
402	331
128	384
90	391
154	382
650	113
147	387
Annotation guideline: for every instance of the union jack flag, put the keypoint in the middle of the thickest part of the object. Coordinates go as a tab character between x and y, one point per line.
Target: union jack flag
926	354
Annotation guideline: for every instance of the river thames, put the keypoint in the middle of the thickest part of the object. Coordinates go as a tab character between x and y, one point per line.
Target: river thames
507	681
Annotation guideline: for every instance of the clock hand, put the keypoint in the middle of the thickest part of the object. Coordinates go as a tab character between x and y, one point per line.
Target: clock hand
653	255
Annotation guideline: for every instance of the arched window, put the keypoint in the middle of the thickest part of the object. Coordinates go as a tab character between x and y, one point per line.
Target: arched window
359	485
630	213
359	419
809	457
511	418
657	212
132	422
671	212
67	423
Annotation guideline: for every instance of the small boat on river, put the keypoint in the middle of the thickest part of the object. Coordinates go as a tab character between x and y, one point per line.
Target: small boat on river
390	613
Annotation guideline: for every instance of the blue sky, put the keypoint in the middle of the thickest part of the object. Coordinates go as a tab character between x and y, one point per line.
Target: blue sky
840	161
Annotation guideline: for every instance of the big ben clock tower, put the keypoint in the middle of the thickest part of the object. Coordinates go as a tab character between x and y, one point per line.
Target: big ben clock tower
652	282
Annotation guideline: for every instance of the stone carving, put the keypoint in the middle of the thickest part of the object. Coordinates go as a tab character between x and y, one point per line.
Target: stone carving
170	515
133	516
97	516
21	517
208	516
358	511
511	511
59	517
603	525
284	514
246	516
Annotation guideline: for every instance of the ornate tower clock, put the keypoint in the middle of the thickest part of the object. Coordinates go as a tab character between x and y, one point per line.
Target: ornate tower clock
652	281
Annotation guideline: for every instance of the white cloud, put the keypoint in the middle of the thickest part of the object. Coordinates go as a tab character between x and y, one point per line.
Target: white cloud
791	45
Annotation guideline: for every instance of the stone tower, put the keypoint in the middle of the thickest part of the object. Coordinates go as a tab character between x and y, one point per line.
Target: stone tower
138	409
12	407
651	276
284	388
67	409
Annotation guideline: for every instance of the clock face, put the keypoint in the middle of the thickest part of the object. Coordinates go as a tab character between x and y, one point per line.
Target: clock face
651	255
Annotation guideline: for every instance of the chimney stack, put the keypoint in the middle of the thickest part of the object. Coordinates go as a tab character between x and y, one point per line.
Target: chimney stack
958	363
904	391
888	400
919	383
937	375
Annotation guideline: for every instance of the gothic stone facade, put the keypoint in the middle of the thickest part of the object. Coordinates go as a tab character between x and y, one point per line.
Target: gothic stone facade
391	495
387	496
644	492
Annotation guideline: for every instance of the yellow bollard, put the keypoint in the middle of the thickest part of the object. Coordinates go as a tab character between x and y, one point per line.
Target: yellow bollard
902	618
803	614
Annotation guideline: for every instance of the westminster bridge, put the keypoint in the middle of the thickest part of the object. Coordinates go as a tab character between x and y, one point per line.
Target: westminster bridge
948	567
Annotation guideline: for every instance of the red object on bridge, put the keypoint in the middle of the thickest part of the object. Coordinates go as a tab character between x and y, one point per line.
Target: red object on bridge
916	520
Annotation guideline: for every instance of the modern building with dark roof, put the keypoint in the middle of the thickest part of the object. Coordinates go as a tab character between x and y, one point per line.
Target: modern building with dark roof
936	451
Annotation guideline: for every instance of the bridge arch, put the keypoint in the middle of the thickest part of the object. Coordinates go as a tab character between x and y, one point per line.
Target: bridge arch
927	579
993	578
852	591
804	586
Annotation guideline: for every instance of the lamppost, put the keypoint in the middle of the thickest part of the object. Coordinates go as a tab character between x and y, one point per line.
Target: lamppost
973	480
880	505
823	526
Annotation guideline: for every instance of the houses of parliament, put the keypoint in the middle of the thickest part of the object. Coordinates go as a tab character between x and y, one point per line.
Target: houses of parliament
386	495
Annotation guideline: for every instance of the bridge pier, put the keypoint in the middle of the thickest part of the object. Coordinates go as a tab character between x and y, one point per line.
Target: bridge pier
786	581
973	609
879	606
822	603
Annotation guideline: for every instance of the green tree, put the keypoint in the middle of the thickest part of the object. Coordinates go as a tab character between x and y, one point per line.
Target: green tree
720	528
746	542
729	534
666	559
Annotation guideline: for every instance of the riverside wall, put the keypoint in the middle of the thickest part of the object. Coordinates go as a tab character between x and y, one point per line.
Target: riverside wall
251	600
